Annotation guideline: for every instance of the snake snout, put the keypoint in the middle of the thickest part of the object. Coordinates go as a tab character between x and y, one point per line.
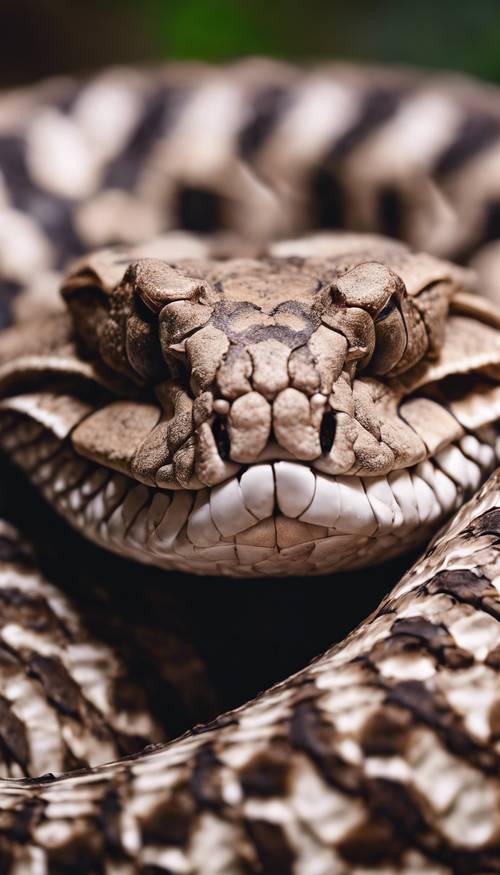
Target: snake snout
292	427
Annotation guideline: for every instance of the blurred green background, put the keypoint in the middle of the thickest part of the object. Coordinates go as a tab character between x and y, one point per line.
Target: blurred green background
44	37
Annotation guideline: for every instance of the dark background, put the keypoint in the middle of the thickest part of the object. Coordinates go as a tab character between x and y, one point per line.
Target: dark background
46	37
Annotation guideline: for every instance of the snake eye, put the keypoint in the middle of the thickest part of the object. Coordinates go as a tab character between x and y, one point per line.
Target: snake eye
391	337
387	309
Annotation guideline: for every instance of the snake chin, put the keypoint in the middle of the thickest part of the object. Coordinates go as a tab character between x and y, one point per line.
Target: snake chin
276	518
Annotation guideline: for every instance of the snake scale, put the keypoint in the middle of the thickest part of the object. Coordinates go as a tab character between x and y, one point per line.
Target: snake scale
243	378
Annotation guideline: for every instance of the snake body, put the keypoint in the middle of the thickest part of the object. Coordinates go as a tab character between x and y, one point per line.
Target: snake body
227	405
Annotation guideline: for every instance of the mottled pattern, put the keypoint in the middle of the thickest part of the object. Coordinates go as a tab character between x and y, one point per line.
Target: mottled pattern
72	690
65	701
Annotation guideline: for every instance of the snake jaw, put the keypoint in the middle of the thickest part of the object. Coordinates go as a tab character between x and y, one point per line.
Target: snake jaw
269	518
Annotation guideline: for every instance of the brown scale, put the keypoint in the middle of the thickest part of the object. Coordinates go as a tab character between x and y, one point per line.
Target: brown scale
310	352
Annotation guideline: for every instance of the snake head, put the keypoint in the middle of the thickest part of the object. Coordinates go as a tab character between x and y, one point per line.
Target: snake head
252	358
298	410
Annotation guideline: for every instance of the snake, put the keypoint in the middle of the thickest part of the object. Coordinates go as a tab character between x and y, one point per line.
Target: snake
275	353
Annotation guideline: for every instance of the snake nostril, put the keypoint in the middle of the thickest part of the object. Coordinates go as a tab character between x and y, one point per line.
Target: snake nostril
327	430
221	436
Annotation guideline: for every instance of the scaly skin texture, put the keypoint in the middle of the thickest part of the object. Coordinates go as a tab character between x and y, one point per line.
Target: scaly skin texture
383	754
66	701
73	694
